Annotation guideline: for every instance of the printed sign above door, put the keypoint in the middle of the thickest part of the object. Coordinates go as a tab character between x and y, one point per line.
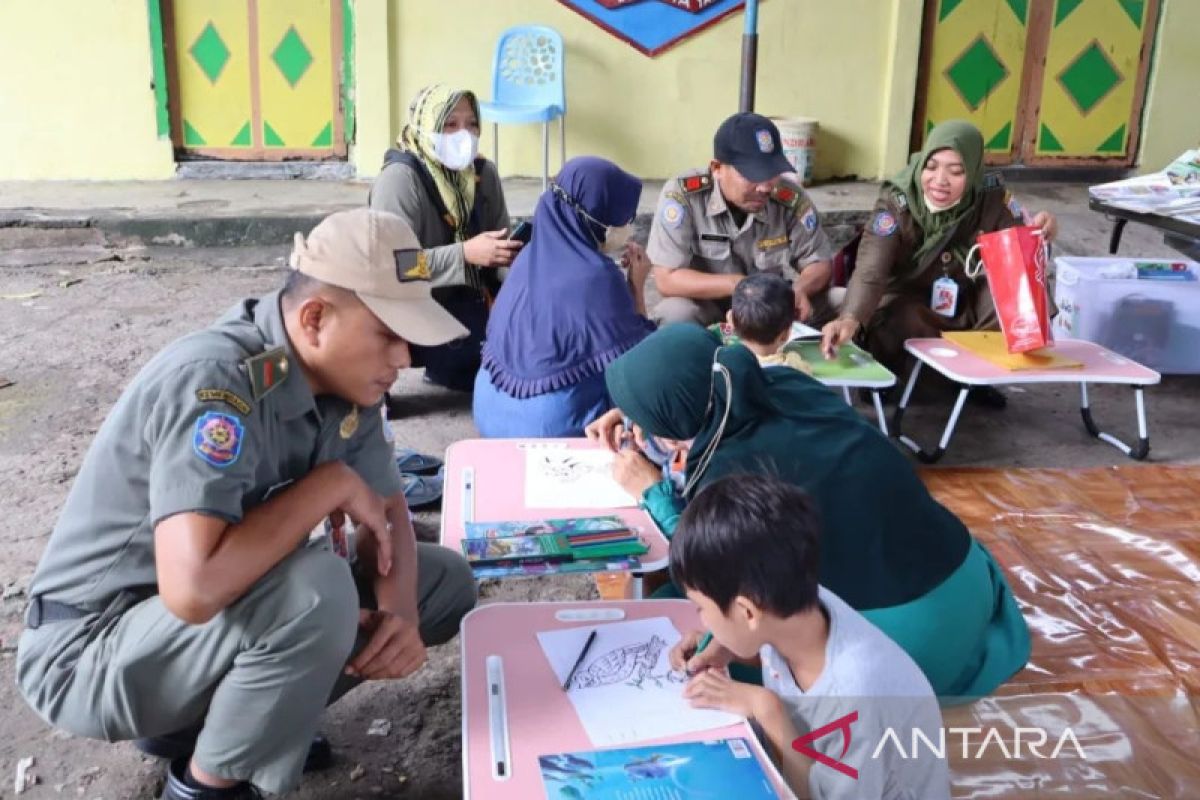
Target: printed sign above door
1048	82
257	79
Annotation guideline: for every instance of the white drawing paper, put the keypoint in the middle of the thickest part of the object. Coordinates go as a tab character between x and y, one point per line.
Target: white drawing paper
569	478
625	690
802	331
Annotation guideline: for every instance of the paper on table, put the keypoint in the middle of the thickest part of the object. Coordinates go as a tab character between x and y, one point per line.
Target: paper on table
570	478
802	331
625	690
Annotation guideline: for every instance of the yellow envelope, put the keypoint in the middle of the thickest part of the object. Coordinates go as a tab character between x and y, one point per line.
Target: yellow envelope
990	345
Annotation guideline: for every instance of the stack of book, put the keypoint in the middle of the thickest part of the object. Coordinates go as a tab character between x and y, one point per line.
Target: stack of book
577	544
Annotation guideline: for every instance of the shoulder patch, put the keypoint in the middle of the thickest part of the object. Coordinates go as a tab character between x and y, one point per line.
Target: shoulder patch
672	213
267	370
884	224
993	180
786	195
231	399
217	438
900	199
809	220
695	183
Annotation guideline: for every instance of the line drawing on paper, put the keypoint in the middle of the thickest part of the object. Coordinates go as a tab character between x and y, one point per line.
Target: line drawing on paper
579	478
632	665
570	469
625	690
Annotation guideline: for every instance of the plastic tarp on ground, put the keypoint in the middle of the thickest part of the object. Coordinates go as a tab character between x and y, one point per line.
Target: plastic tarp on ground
1106	566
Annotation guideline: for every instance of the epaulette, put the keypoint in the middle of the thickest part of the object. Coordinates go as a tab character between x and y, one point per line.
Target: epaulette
993	180
787	195
266	370
696	183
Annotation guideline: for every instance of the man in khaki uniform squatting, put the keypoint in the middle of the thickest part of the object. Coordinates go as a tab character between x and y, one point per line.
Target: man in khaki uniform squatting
714	227
180	599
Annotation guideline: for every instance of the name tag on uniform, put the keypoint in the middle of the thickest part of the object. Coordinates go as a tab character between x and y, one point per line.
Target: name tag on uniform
713	237
944	299
767	244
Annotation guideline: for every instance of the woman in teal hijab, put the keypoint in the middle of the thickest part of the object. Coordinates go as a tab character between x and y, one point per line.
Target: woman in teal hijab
889	550
908	279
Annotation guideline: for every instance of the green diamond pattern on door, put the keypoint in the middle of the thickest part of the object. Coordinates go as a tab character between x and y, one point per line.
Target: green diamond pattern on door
947	7
1064	9
976	73
210	52
325	137
1048	142
1020	8
270	137
1114	143
1001	141
1135	9
191	136
292	57
1089	78
243	137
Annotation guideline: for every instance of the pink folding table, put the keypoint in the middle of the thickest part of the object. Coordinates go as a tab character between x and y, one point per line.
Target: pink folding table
513	707
485	481
968	369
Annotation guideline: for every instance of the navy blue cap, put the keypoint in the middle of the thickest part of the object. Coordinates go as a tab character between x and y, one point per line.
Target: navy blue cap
750	143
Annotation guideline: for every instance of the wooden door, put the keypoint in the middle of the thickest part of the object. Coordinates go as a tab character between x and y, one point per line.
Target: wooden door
1048	82
256	79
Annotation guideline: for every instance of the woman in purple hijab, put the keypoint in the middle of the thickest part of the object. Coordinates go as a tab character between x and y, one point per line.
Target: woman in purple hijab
566	310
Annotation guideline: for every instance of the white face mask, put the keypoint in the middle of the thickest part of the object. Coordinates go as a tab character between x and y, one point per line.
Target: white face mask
455	150
616	237
935	208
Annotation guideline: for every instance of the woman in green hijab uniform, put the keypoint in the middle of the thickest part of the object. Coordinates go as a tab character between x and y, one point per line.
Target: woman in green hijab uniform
908	279
889	549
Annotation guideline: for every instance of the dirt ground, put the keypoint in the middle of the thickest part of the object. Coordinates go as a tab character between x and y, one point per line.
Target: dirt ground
78	318
70	350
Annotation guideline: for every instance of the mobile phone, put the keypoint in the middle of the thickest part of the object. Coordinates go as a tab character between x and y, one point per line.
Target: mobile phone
523	232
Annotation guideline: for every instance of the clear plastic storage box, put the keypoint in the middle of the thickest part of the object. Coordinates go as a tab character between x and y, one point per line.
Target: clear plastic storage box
1154	321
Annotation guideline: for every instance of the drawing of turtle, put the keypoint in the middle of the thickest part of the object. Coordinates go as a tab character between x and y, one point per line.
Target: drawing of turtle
632	664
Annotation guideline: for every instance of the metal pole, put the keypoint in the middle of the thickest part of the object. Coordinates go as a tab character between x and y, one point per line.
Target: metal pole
749	57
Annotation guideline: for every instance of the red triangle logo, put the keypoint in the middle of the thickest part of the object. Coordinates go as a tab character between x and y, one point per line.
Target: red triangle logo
801	745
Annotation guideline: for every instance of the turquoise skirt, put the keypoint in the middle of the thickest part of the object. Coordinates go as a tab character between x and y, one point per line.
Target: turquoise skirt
967	634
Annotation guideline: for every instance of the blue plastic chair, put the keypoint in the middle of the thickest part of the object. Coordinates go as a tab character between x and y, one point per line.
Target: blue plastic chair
528	86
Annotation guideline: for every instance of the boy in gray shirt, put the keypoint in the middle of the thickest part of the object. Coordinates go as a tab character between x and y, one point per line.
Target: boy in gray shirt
840	701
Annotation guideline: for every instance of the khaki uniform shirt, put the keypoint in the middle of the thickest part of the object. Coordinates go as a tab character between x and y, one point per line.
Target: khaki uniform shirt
694	228
399	190
214	424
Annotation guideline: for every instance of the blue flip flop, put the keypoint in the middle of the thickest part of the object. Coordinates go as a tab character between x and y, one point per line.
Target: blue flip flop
413	463
422	490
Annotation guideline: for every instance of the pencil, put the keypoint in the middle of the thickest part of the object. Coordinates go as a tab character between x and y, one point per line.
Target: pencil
582	654
704	642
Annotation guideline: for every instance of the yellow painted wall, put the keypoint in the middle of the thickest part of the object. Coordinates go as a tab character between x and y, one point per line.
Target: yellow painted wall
1171	122
656	116
76	100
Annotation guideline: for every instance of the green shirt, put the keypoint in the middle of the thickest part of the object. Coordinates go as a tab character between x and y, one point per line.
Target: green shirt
193	432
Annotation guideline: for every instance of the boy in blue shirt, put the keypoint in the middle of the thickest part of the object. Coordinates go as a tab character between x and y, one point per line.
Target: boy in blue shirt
747	551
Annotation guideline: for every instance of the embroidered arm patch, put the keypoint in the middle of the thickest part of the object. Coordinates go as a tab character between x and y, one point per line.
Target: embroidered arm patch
218	438
884	224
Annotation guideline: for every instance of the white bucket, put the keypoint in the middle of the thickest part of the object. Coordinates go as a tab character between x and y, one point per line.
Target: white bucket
799	135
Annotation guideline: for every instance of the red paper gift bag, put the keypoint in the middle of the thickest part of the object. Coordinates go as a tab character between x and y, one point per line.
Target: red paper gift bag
1015	262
